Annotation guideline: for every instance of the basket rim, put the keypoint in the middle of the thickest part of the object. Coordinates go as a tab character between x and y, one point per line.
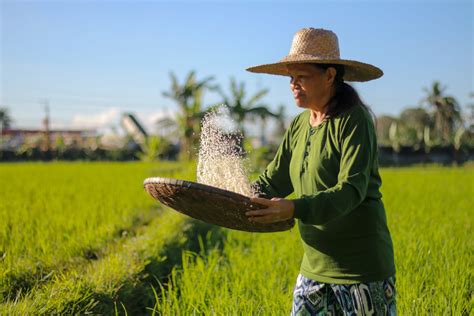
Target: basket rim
208	189
195	185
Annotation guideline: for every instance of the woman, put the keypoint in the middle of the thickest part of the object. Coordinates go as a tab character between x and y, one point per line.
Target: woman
328	158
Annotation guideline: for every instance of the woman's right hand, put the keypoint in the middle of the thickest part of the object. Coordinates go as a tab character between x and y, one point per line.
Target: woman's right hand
277	210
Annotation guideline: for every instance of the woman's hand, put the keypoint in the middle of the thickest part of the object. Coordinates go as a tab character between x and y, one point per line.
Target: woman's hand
278	210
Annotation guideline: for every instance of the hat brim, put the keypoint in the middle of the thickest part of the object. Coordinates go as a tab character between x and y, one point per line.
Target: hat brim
354	70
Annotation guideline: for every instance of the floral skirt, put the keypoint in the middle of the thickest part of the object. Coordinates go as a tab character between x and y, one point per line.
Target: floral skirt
314	298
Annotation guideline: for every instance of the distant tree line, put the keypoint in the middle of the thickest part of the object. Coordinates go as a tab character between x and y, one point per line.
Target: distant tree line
436	122
434	131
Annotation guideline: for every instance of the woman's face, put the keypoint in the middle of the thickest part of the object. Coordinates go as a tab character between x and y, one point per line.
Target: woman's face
311	86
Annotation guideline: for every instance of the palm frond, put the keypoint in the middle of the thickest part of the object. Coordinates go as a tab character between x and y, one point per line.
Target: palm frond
256	97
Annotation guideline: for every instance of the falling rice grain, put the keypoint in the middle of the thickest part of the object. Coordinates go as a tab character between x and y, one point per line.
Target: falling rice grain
221	162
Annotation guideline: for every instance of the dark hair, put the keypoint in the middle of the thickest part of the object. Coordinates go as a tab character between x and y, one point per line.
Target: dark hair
345	96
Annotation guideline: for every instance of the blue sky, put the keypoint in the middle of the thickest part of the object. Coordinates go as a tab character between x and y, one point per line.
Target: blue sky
95	59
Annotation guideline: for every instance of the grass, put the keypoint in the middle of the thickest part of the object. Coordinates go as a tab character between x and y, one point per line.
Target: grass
430	213
74	230
86	238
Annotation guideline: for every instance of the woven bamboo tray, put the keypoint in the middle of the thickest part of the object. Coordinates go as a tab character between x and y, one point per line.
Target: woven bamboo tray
210	204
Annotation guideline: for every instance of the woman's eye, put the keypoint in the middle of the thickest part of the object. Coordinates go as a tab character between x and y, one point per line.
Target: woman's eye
298	78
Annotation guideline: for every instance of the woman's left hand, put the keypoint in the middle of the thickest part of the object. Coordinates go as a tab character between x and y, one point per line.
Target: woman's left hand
278	210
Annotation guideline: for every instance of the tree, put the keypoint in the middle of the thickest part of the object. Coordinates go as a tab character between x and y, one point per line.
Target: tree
153	148
263	116
5	122
5	119
470	119
168	128
240	109
417	118
280	117
383	124
446	113
412	125
188	96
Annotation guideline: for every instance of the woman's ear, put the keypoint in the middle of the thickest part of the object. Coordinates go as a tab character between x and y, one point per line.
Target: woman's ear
330	75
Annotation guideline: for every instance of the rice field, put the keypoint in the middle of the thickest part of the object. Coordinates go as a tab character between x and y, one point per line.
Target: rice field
72	235
86	238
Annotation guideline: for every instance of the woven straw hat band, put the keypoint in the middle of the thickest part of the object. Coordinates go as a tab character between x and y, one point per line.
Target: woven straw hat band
321	44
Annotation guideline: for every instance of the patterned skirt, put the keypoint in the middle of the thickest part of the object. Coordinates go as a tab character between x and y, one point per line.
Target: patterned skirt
314	298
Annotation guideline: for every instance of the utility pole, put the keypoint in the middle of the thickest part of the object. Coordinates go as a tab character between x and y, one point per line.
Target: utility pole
45	103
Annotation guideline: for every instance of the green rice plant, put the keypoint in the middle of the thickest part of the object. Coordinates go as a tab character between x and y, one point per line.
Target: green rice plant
430	213
430	216
86	238
58	216
99	286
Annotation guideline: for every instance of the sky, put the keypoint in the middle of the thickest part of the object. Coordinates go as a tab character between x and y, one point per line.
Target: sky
92	60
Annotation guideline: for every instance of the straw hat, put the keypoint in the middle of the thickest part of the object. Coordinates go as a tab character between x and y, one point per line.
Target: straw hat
319	46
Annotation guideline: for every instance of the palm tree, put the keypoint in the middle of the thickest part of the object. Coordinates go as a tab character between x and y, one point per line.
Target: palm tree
240	109
280	117
153	148
188	96
167	127
445	111
263	114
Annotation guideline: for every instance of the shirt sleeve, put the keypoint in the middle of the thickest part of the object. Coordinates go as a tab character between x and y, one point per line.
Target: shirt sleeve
357	156
275	180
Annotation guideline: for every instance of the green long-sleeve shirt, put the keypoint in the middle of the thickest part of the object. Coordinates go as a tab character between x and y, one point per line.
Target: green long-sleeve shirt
333	170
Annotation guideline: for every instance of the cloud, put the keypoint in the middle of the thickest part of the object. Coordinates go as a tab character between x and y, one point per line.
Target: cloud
108	120
101	120
149	119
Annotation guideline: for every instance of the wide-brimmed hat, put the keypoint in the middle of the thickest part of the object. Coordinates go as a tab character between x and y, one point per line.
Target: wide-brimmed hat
319	46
